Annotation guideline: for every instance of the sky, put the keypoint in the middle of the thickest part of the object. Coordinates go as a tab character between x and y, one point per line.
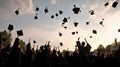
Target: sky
46	29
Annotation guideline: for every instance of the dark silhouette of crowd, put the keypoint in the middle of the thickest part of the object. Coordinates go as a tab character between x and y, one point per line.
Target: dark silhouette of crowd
47	57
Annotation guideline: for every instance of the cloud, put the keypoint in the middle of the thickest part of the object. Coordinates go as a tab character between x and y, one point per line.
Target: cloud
7	7
53	1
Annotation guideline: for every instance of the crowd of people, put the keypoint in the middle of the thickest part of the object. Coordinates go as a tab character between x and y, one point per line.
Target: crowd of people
47	57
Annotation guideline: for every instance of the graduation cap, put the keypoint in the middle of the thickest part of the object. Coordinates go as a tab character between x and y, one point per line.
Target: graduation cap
61	44
91	12
36	17
63	23
65	20
75	24
37	9
94	31
60	34
118	30
101	22
20	33
52	16
115	3
87	23
46	10
65	27
90	36
60	12
56	15
73	33
106	4
76	32
34	41
10	27
76	10
17	11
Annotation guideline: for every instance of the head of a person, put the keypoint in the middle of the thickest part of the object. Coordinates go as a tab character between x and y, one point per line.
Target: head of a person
83	43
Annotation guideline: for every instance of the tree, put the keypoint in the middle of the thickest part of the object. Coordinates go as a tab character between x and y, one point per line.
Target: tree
22	45
5	38
108	48
100	48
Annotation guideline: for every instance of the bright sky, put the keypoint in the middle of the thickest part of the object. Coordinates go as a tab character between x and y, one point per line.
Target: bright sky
44	28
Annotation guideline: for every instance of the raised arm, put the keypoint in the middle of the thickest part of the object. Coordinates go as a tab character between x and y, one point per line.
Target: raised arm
88	46
86	41
116	42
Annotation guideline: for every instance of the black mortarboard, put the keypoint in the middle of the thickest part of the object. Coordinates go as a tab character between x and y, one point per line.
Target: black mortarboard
118	30
61	44
76	10
52	16
87	23
114	4
20	33
34	41
46	10
90	36
75	24
60	34
65	27
60	11
101	22
37	9
94	31
36	17
63	23
56	15
106	4
17	11
65	20
10	27
91	12
76	32
73	33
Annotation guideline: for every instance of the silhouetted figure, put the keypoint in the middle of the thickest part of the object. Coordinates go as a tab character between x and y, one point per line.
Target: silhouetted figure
116	52
106	4
15	55
28	55
83	52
